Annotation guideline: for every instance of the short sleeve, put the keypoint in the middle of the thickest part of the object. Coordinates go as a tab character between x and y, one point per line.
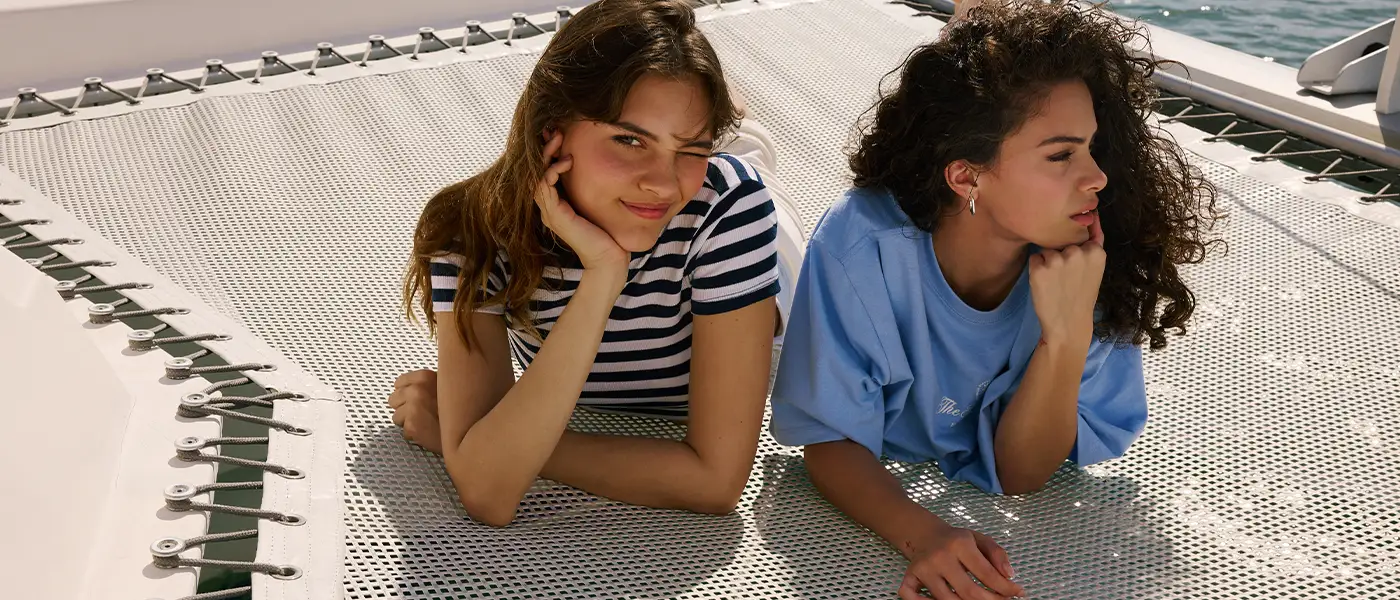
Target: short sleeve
1112	410
1112	403
446	271
828	387
735	260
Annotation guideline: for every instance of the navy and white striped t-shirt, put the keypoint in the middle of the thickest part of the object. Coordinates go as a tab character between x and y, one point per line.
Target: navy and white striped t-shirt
717	254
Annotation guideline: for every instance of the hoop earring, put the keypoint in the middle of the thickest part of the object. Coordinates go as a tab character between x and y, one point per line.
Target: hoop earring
972	203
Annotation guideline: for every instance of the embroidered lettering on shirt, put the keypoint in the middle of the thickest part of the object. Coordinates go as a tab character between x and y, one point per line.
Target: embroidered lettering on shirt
949	407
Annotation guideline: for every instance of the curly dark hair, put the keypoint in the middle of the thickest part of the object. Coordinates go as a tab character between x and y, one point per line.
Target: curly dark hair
960	96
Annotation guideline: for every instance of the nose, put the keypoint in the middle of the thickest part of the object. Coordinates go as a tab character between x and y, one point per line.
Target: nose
1096	180
661	179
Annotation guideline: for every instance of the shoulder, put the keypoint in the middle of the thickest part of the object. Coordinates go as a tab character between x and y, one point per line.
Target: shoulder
726	172
733	195
858	220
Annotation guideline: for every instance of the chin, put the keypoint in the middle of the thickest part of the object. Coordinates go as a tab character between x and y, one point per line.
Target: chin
636	241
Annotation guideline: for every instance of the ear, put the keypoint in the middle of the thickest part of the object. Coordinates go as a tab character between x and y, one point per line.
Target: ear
961	176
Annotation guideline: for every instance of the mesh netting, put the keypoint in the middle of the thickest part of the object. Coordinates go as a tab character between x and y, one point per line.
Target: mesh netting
1267	467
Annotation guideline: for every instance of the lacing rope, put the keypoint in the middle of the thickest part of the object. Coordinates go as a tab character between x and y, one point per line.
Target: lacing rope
165	552
188	450
24	222
145	339
221	595
41	263
107	312
178	498
473	34
193	406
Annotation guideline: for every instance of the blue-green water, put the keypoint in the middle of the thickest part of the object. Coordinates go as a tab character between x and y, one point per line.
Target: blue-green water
1286	31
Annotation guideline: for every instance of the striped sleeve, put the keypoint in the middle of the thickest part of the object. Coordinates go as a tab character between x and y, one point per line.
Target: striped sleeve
736	261
447	270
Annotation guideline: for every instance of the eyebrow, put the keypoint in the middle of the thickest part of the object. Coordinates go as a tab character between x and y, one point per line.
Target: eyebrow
1062	139
701	143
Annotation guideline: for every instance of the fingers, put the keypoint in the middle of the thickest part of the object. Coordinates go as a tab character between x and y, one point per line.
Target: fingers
399	417
940	591
998	577
561	166
421	376
551	147
967	590
909	589
995	554
1096	230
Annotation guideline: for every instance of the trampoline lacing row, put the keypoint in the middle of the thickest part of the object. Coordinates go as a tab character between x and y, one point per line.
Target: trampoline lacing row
157	81
166	552
1366	173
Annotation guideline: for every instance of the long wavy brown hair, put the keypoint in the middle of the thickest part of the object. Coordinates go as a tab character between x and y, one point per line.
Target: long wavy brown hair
585	73
960	96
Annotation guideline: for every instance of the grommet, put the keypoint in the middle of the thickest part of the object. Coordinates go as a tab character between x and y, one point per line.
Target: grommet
178	368
141	339
189	444
292	473
287	573
195	400
301	431
66	289
180	492
293	520
167	547
101	313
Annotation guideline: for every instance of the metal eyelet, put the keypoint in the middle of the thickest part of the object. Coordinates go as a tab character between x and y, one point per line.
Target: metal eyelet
180	492
292	473
99	314
299	431
195	400
189	444
178	368
141	339
293	520
167	548
66	289
288	573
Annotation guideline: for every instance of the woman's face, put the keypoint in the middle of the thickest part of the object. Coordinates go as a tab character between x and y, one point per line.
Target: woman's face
632	176
1044	181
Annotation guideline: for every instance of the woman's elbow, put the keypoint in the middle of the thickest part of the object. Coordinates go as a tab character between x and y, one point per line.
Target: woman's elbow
485	507
719	502
1019	486
720	496
482	500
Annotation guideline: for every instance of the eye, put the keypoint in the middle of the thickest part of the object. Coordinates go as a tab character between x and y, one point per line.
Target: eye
631	141
697	155
1062	156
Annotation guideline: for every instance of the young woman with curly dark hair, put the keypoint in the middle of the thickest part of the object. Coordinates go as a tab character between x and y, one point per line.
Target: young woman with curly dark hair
980	296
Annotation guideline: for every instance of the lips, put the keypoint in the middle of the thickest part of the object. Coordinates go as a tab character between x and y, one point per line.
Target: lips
648	211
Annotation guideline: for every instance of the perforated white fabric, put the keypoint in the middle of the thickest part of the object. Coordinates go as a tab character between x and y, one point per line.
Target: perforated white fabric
1268	464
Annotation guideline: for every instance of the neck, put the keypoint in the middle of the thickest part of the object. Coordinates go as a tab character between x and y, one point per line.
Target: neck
979	263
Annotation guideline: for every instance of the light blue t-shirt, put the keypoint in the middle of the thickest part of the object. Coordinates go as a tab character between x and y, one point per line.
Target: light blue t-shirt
879	350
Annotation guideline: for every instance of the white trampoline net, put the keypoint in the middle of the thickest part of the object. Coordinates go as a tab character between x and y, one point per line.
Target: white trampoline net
1268	466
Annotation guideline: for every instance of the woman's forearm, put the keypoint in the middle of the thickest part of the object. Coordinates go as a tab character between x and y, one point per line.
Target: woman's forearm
855	482
500	456
1040	425
643	471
